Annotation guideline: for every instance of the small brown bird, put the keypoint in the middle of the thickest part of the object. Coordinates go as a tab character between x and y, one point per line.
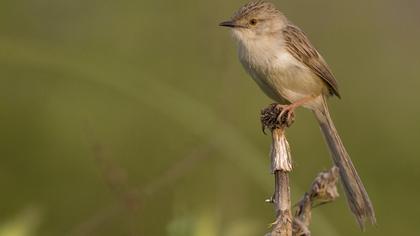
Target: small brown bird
285	65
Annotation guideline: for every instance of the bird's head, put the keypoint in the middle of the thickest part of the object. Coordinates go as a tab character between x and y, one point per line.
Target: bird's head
257	19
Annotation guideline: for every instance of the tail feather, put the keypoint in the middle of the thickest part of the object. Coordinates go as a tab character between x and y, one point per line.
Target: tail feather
357	196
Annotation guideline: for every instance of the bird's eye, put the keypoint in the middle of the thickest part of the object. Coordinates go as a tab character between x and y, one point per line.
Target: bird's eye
253	21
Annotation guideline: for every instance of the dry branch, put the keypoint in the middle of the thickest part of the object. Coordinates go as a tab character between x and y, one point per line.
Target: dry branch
322	190
281	165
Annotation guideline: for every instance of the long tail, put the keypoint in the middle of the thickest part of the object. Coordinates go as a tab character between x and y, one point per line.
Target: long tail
357	196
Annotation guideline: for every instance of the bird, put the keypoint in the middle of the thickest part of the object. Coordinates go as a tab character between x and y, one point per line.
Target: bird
287	67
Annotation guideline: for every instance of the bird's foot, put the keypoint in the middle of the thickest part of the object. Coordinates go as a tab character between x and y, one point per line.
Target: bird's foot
276	116
287	112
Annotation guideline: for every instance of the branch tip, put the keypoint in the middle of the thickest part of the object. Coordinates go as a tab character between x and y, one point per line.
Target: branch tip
271	119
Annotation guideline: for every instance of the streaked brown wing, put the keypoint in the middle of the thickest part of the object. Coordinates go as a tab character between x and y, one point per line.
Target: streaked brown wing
301	48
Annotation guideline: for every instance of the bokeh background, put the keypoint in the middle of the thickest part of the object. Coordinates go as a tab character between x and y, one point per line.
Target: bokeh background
136	118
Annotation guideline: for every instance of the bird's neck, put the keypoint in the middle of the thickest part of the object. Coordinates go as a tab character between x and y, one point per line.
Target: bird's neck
260	51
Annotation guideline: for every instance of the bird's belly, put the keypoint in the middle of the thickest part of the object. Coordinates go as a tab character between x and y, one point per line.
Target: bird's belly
285	78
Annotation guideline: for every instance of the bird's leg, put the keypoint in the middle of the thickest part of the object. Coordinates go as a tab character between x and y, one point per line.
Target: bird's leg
290	108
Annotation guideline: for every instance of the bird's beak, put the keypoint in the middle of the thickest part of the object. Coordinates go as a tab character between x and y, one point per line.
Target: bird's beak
230	24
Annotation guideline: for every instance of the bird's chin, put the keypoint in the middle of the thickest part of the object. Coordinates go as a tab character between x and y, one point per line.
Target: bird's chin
238	34
242	35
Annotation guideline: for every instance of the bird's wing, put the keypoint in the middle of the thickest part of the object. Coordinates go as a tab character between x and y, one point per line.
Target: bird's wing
301	48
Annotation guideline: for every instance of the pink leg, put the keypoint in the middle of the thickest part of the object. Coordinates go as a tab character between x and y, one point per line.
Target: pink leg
289	109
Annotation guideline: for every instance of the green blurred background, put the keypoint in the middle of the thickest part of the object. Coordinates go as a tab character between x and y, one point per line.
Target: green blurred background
135	118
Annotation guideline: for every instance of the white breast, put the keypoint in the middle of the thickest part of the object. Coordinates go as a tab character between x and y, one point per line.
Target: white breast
277	72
